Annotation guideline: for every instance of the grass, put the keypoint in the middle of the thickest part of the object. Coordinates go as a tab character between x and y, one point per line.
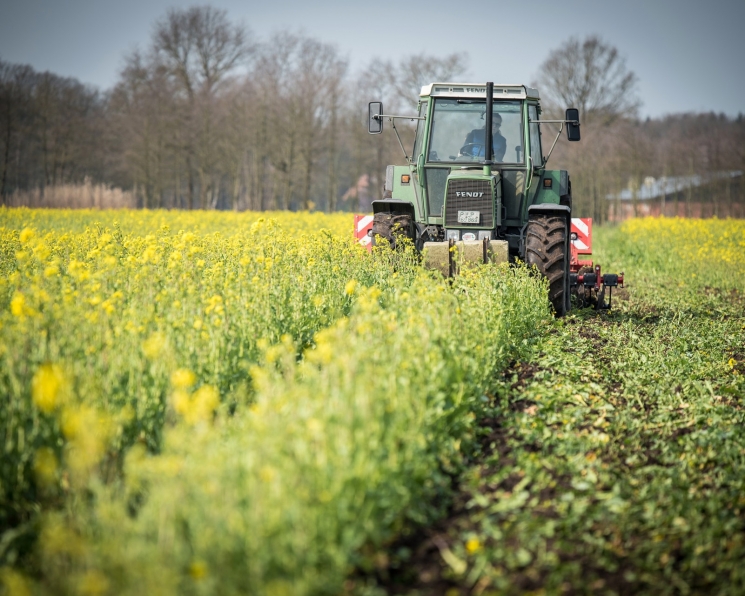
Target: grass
613	460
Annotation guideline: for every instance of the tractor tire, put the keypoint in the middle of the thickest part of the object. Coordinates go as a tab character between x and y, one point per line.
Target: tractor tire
547	247
392	227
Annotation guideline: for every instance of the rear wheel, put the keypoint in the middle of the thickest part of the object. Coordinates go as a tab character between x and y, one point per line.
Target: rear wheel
547	248
392	227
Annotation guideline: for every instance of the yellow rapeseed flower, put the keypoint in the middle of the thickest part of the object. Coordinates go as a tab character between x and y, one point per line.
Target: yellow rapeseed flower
198	407
17	304
93	583
87	432
183	378
14	583
473	545
350	287
58	539
180	400
46	387
267	473
205	400
26	235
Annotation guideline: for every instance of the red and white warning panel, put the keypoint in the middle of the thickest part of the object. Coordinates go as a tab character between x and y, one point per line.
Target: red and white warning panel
362	226
582	235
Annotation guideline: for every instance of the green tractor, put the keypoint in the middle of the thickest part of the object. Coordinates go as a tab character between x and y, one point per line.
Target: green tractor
476	188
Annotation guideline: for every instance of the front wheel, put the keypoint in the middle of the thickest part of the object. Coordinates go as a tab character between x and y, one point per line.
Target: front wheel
547	247
392	227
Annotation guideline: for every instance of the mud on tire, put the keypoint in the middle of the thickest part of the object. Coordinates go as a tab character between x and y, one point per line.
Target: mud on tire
546	248
392	226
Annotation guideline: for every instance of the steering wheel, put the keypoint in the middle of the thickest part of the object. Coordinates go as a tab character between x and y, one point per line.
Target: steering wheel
471	149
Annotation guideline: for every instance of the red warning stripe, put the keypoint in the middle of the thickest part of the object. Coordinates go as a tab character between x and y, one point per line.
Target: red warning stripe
582	235
362	225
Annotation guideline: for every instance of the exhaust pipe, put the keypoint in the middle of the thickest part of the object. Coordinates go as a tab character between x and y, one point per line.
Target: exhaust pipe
488	136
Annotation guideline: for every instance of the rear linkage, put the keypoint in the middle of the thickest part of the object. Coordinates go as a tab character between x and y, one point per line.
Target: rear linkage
586	283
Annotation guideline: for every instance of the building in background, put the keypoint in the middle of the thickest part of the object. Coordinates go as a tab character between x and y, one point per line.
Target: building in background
718	194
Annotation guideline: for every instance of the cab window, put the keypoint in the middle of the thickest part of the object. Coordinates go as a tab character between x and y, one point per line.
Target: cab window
457	131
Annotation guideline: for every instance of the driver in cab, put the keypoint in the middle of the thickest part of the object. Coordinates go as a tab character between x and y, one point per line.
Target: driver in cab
475	142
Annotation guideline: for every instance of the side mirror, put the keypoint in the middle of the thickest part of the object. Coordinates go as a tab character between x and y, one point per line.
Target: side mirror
375	117
572	118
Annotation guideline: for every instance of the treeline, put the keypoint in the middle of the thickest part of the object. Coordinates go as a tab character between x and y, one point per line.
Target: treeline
207	117
50	130
210	117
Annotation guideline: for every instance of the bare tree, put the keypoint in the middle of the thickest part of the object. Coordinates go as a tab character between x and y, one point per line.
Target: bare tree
417	70
590	75
320	70
143	113
199	48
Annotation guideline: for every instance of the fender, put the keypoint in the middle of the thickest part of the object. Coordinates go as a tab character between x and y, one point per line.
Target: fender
394	206
550	208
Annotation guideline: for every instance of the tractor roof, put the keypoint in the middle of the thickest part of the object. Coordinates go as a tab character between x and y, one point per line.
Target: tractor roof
478	90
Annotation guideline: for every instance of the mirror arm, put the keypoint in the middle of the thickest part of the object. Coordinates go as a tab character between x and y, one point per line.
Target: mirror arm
554	121
545	161
392	119
393	123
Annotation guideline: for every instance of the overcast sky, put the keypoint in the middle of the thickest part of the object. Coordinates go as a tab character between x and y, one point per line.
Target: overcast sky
687	54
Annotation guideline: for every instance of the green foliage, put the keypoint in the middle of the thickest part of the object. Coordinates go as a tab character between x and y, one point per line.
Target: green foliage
317	408
620	467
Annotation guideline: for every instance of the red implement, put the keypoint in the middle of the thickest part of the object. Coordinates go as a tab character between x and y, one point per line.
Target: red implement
581	236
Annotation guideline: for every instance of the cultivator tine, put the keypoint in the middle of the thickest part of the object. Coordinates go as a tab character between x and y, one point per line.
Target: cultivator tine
600	304
585	285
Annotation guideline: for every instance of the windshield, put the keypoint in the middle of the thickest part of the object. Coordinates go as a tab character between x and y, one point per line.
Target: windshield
458	127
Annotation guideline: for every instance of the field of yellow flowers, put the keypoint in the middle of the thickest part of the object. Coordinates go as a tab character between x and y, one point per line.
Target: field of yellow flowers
225	403
230	403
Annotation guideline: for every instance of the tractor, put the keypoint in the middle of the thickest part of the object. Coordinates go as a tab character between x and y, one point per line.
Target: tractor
476	189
